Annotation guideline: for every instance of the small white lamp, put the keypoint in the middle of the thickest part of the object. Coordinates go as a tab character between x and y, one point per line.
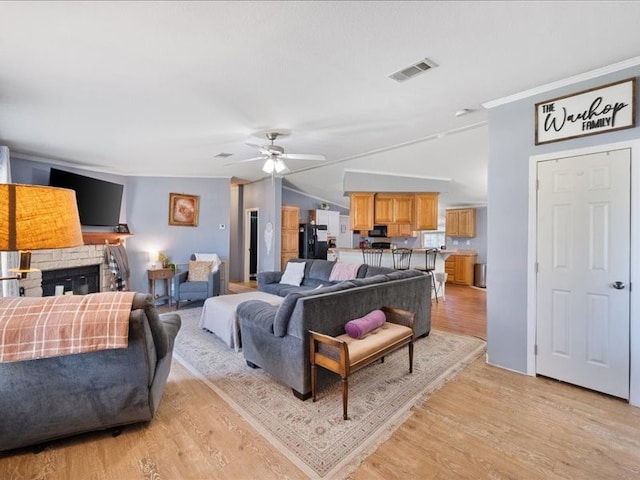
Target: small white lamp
153	258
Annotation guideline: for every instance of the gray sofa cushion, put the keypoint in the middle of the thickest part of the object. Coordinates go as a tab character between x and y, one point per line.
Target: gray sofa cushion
360	282
372	271
262	313
318	271
283	315
190	287
281	320
266	278
399	274
282	289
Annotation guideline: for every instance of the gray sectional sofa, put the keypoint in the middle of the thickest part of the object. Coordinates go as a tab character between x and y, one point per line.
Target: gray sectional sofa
276	339
49	398
317	274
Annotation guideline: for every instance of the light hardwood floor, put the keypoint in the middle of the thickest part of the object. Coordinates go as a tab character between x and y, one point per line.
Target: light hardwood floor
485	423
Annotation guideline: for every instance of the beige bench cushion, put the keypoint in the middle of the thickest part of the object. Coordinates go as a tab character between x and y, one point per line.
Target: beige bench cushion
374	341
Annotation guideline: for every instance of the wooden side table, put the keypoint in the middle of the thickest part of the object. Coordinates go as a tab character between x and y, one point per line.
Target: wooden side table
160	274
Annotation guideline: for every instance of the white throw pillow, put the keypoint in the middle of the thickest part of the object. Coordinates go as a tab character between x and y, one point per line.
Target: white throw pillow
209	257
293	274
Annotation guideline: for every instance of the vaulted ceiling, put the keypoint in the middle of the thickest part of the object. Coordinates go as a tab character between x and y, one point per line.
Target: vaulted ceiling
165	88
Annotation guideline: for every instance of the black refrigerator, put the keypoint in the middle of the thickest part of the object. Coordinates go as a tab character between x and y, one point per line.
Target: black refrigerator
313	241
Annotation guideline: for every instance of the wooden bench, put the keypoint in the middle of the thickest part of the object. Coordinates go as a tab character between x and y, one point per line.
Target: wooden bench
344	355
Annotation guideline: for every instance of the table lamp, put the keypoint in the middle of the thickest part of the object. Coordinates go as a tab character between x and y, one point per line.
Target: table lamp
34	217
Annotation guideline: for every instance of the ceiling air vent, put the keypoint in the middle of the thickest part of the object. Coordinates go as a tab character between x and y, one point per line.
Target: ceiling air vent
413	70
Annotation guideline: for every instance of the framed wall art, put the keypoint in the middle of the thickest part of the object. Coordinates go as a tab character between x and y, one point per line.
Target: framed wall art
183	209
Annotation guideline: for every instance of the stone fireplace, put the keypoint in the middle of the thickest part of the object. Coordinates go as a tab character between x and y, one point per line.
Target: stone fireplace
68	259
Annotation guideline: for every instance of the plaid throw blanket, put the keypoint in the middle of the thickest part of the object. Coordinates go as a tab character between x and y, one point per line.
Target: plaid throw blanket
40	327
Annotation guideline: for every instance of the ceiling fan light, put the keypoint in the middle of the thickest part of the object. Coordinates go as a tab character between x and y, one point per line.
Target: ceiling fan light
269	166
279	166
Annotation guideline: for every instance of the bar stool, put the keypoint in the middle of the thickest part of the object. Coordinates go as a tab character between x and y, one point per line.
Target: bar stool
441	278
401	258
372	256
429	267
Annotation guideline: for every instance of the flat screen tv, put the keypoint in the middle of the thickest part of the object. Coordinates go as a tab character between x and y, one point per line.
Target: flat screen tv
98	200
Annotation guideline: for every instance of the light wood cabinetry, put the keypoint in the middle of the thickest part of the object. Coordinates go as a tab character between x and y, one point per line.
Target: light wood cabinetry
399	230
450	269
459	268
393	208
425	211
361	211
461	222
290	217
403	209
401	212
383	209
289	234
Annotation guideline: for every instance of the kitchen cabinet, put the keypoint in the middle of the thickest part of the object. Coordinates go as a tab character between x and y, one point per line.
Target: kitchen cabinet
403	209
459	268
415	211
383	209
399	230
289	234
361	210
290	217
425	211
329	218
461	222
450	269
393	208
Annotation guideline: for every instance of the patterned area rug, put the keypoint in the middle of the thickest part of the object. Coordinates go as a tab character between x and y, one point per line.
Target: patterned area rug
314	435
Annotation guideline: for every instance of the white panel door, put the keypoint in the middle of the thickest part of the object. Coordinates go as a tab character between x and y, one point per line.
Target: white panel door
583	249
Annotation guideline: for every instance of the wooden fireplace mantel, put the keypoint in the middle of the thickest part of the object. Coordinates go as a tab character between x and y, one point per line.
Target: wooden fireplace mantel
100	238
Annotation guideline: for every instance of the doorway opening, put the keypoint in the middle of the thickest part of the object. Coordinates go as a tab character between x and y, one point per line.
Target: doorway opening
251	244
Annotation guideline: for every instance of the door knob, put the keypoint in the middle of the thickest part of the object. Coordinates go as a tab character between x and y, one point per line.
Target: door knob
618	285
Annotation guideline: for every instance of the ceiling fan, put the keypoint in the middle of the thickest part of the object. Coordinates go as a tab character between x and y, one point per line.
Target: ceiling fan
274	156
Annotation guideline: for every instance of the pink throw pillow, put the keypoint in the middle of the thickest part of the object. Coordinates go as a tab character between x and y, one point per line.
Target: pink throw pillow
359	327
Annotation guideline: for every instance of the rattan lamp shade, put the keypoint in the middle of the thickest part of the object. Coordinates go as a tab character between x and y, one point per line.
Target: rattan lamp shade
34	217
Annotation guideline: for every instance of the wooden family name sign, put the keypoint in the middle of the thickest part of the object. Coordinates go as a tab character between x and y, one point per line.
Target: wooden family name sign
598	110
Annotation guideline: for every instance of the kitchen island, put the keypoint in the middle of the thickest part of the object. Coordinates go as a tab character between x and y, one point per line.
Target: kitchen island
354	255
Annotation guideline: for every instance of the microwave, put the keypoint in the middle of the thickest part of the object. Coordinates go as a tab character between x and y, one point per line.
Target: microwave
378	231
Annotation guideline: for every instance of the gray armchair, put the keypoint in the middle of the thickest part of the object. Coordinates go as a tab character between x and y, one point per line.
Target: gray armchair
186	290
49	398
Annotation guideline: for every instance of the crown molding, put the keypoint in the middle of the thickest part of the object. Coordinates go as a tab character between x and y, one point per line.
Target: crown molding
387	174
616	67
